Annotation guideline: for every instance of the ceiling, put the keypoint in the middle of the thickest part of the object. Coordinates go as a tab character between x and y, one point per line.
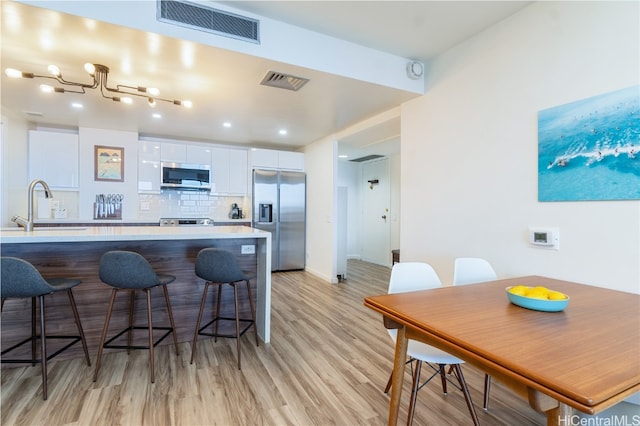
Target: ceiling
231	92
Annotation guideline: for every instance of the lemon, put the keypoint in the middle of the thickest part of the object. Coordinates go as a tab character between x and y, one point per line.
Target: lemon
556	295
520	290
538	293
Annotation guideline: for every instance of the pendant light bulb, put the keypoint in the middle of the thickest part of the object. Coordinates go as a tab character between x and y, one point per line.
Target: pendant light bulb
13	73
153	91
45	88
54	70
90	68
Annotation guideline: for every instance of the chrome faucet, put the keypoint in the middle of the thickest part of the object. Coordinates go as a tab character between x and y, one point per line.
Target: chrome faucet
28	222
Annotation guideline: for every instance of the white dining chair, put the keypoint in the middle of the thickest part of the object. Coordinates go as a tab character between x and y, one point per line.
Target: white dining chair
471	270
414	276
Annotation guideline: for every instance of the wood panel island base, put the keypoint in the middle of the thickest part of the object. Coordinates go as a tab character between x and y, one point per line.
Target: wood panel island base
75	253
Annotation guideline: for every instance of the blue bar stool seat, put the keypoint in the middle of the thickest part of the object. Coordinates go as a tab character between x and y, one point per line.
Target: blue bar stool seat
20	279
218	267
130	271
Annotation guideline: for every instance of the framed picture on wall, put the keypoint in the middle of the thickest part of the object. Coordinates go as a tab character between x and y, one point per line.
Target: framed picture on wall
589	150
109	163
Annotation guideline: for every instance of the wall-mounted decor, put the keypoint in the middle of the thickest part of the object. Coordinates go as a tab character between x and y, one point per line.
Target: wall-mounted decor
590	149
109	163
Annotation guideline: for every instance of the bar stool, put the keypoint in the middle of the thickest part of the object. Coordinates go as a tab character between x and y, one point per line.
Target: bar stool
130	271
20	279
219	267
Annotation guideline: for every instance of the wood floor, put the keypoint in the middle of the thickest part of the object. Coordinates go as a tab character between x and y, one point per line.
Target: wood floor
327	364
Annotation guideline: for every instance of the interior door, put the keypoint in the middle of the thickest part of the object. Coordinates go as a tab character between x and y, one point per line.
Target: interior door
376	217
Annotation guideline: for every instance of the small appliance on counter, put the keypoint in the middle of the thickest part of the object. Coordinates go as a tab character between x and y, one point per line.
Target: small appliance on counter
236	212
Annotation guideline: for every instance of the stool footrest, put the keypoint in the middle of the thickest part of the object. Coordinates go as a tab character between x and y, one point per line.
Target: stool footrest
233	336
108	345
76	339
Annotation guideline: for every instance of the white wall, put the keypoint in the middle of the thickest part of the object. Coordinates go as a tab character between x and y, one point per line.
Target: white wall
320	159
469	147
14	176
89	138
396	188
350	176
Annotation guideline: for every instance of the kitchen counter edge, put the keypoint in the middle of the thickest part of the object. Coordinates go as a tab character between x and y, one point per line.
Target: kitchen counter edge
129	233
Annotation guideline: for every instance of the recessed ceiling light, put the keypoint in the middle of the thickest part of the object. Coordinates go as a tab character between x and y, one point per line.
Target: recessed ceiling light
343	156
77	105
283	131
156	115
226	124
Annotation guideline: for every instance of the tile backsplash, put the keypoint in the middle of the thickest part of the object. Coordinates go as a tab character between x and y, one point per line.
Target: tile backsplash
177	203
173	203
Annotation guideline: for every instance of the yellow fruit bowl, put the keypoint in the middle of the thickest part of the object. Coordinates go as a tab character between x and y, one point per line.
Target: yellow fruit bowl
537	298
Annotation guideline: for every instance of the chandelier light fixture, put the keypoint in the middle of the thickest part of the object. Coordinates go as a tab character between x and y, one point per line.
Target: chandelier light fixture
100	74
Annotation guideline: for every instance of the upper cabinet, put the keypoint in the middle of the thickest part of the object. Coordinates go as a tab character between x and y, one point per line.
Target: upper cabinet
199	154
238	174
53	157
173	152
229	171
185	153
288	160
149	166
273	159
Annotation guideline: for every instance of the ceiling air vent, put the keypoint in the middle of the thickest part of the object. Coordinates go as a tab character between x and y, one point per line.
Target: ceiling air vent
367	158
283	81
210	20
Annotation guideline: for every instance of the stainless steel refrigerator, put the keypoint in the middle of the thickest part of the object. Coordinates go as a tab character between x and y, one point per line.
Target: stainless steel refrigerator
279	206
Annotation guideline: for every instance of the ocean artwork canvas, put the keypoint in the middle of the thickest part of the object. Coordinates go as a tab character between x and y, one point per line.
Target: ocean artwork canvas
590	149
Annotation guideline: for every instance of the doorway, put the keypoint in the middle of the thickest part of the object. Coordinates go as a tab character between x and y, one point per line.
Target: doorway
376	218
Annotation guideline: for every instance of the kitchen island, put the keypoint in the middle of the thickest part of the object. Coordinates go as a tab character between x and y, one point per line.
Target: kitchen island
75	252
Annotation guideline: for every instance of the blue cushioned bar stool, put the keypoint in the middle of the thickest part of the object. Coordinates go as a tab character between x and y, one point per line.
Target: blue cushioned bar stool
130	271
20	279
219	267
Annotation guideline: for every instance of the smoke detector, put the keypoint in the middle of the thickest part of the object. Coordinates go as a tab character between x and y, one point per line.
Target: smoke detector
415	70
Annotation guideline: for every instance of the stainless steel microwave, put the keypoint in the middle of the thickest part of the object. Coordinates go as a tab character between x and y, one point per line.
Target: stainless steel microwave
185	176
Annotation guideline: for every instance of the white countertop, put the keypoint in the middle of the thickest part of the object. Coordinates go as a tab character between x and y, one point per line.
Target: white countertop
127	233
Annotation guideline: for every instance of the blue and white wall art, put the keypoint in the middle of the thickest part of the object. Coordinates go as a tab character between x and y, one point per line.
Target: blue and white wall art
590	149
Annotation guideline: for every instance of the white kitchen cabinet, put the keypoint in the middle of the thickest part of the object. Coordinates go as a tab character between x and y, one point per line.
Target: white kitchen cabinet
220	170
229	171
199	154
53	157
173	152
149	166
238	171
264	158
288	160
274	159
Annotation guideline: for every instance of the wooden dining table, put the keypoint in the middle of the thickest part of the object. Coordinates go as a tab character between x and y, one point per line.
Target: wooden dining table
586	357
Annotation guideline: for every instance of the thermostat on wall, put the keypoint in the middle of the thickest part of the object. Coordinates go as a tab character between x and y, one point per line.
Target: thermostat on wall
545	237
